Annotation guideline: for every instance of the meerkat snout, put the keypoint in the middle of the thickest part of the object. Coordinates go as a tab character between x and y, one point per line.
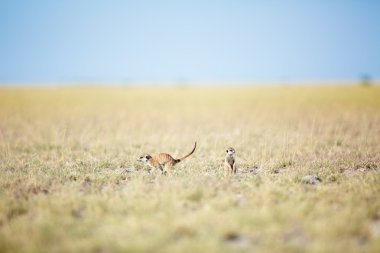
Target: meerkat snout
144	158
230	151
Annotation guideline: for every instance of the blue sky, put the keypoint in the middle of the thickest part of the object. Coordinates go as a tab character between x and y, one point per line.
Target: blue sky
195	41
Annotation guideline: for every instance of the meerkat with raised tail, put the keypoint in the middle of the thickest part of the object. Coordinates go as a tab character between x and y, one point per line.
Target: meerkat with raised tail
229	162
163	161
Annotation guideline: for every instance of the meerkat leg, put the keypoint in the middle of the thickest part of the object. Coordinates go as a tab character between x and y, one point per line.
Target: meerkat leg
162	170
152	170
158	169
234	169
227	171
168	169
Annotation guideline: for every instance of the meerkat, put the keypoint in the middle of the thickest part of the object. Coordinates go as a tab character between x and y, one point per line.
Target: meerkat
229	162
163	162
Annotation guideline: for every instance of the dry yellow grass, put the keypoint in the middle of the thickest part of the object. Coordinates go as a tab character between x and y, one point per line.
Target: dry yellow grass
69	179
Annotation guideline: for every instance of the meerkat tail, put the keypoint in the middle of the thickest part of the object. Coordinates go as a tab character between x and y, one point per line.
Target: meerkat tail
189	154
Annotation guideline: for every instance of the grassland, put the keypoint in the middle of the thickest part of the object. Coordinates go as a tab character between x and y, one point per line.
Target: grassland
70	182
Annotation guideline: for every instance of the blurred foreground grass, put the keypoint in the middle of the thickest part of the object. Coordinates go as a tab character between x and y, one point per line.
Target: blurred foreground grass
69	179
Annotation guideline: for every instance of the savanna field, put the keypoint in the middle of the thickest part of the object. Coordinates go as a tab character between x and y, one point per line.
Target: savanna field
70	180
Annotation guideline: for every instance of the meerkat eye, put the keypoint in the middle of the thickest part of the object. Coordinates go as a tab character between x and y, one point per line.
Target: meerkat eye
227	151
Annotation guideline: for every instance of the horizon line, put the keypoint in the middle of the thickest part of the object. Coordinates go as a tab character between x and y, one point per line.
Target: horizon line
188	83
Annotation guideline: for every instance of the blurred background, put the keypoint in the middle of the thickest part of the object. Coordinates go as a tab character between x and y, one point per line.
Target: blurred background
171	73
188	42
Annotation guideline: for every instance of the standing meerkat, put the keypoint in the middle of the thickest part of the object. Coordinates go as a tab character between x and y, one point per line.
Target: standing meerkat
229	162
163	162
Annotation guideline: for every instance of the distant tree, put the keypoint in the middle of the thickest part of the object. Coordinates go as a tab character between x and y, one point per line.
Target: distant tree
365	80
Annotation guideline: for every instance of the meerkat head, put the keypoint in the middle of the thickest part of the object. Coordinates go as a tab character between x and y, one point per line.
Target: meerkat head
145	158
230	151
